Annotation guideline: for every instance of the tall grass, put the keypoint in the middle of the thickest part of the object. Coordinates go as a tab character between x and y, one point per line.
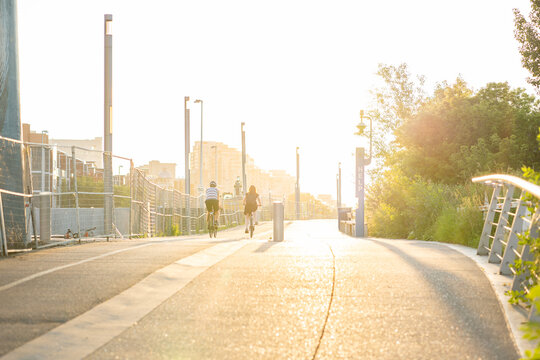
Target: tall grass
423	210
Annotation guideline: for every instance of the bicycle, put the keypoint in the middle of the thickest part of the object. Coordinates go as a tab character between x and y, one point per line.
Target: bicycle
87	233
212	225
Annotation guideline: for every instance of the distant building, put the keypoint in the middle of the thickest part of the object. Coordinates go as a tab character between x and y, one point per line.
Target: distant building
163	174
52	164
93	152
30	136
224	165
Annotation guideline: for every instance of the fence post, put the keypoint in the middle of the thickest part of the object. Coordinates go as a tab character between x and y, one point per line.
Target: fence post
74	161
130	220
45	216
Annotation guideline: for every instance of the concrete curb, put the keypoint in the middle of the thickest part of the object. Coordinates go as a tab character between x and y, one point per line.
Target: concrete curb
515	315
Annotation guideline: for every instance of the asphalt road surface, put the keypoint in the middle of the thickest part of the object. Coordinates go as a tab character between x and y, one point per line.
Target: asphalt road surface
317	295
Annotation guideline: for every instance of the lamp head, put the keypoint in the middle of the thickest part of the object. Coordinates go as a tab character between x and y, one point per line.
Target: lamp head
198	101
361	127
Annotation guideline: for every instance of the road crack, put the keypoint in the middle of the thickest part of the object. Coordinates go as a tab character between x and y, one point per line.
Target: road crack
329	303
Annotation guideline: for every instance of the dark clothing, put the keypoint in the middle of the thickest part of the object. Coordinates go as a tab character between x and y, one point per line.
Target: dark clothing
250	208
212	205
251	203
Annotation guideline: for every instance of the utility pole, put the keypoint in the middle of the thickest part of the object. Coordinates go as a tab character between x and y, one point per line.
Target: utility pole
107	138
201	186
297	190
187	185
244	181
339	186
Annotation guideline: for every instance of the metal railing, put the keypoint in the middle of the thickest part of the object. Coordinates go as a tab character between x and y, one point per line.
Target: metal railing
513	212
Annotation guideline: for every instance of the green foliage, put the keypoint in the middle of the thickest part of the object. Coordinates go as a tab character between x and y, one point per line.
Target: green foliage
457	133
527	35
531	329
400	207
429	147
175	230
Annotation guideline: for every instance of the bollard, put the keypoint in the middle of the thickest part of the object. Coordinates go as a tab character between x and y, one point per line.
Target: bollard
45	216
277	215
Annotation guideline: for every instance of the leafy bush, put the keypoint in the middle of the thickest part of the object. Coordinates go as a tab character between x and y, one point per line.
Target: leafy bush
400	207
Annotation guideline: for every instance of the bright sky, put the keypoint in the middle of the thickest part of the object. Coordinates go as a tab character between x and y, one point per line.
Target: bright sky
297	72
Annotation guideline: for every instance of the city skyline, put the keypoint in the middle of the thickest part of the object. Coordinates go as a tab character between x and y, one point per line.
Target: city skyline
268	181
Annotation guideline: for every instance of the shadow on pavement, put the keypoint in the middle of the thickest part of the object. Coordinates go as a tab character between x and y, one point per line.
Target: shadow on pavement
265	246
454	292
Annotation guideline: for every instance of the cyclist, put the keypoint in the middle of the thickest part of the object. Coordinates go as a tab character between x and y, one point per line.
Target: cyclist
251	202
212	202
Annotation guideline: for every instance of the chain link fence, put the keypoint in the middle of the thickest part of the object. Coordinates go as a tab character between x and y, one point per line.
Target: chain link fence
65	184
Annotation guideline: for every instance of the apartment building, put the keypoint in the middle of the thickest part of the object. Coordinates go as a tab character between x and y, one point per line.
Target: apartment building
224	165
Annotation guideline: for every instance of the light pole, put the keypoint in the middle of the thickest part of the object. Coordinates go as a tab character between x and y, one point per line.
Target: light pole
243	158
201	188
297	190
43	161
107	129
339	186
215	163
187	187
361	161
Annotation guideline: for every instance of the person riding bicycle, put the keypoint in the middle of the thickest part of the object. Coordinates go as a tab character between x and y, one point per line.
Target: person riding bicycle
212	202
251	202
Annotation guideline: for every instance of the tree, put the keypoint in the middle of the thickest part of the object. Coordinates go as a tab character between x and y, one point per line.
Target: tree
527	34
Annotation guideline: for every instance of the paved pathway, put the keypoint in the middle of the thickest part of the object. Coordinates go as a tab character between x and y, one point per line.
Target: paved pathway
319	294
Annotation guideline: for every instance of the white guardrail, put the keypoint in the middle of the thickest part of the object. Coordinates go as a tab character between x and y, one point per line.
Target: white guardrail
510	214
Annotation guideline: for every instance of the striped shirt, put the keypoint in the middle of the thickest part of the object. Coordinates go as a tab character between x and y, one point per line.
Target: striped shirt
212	193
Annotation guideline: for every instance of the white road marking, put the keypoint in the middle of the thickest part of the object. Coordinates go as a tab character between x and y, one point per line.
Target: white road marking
41	273
86	333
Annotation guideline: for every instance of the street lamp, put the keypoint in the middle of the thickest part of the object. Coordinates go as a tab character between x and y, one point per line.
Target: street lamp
339	186
361	127
107	128
297	190
243	158
187	187
201	188
361	161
